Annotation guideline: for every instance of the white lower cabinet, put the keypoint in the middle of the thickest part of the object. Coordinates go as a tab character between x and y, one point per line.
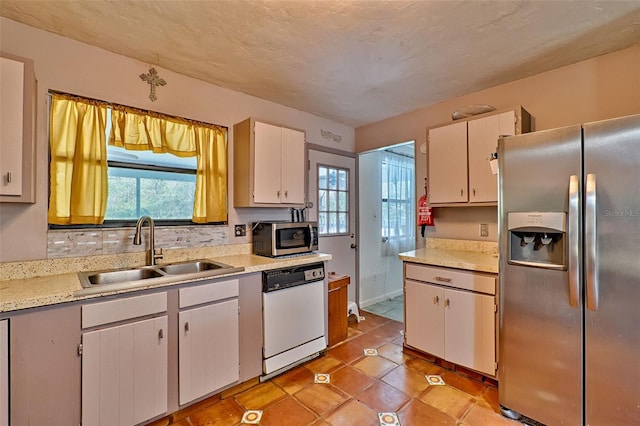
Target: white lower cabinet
124	367
208	340
455	324
4	373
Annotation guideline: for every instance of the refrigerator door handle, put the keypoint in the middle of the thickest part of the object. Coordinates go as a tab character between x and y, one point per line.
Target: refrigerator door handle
591	248
574	241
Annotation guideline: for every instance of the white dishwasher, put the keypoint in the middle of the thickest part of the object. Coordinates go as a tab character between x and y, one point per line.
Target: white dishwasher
294	316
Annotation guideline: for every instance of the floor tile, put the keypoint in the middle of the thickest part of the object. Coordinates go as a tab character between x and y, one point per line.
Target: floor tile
261	396
321	397
353	413
324	364
449	400
483	416
351	380
346	352
375	366
226	412
294	380
360	388
383	397
379	308
408	381
423	367
368	340
396	314
417	412
388	331
287	412
465	384
489	398
371	321
393	352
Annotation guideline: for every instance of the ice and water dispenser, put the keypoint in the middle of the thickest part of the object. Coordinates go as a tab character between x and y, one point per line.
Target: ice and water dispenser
537	239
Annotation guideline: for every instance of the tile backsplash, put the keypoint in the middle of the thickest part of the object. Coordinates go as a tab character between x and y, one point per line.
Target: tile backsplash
83	242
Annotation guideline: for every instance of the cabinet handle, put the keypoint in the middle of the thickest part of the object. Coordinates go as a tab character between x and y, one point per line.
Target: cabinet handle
161	334
8	177
443	279
474	192
278	194
461	192
447	303
436	300
186	326
286	193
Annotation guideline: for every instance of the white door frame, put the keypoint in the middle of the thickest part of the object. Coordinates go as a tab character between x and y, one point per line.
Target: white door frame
356	224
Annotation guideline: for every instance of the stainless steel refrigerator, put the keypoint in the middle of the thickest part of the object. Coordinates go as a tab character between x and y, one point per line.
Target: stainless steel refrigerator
569	219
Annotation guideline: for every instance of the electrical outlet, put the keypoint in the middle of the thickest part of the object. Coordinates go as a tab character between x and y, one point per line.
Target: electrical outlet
484	230
240	230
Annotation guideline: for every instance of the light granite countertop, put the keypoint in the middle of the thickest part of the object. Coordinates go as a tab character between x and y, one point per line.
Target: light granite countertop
53	288
474	256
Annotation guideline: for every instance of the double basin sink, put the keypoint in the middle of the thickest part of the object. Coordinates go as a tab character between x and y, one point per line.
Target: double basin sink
156	274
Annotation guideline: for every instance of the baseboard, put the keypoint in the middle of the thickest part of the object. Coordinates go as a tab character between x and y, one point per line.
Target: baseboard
378	299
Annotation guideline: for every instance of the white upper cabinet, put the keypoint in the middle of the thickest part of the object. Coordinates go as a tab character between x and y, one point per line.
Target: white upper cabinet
483	137
448	164
459	153
17	143
269	165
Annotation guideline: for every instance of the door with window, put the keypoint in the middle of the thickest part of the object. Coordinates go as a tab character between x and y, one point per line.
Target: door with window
332	189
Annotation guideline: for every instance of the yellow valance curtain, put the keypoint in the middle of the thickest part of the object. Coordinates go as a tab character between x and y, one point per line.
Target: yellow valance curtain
78	167
141	130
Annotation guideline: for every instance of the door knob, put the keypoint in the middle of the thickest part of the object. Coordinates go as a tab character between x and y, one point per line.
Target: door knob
354	245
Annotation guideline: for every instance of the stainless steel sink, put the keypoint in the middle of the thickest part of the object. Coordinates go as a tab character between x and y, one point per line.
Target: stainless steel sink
118	276
152	275
192	267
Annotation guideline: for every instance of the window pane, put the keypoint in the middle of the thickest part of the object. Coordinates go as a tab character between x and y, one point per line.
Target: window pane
161	195
322	200
166	199
333	223
322	177
342	201
333	178
121	203
333	202
342	222
342	180
322	223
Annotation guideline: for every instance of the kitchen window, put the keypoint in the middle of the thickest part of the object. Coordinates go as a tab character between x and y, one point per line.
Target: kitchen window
143	183
333	200
115	163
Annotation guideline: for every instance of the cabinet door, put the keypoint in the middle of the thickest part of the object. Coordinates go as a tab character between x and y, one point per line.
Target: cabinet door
11	125
124	373
293	166
448	164
208	349
424	317
470	330
4	373
483	140
267	163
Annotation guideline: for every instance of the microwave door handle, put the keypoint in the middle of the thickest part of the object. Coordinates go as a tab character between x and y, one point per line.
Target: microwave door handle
310	236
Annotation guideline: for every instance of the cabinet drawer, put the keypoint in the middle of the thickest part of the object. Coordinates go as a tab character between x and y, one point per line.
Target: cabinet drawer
452	278
208	293
123	309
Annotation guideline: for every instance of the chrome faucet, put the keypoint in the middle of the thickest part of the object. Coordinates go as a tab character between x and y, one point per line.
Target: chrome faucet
152	255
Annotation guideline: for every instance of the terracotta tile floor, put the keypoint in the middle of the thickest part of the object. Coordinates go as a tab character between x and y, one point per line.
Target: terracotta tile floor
360	387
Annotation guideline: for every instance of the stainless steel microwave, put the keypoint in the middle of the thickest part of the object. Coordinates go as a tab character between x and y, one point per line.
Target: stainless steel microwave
284	238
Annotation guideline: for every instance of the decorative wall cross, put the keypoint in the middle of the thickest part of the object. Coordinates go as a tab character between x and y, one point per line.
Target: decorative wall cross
154	80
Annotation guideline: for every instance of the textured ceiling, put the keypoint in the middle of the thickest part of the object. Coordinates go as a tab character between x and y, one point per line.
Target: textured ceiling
355	62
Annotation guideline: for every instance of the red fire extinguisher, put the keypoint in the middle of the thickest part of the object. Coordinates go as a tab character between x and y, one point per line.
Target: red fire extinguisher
425	214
